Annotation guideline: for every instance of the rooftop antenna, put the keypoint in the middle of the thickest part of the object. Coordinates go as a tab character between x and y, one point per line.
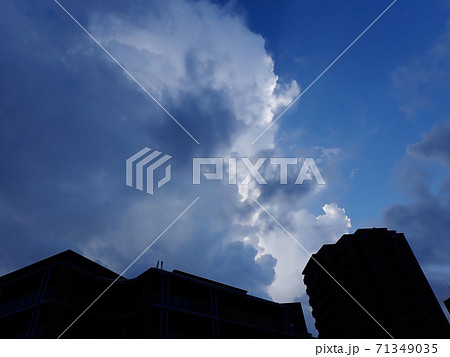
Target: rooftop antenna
162	264
157	265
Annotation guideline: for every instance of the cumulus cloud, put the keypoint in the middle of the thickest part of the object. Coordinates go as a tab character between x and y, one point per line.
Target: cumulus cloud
186	47
310	232
70	118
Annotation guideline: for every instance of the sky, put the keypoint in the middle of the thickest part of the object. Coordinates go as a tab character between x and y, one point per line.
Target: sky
376	123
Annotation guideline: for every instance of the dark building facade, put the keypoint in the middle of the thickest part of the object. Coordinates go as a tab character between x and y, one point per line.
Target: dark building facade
43	299
378	268
447	304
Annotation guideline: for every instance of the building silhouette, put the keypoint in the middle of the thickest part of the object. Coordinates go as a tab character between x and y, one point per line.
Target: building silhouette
447	304
378	268
43	299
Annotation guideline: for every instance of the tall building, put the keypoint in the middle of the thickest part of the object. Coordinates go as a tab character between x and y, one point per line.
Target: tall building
378	268
43	299
447	304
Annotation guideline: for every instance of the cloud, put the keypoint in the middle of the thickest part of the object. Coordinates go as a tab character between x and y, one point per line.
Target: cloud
309	230
189	46
239	257
70	118
353	173
435	144
415	82
424	219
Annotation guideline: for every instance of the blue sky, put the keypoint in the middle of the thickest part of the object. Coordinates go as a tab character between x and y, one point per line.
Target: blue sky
376	123
356	106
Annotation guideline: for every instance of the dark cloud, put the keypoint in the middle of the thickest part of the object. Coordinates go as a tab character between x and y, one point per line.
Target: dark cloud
425	219
236	265
69	119
435	144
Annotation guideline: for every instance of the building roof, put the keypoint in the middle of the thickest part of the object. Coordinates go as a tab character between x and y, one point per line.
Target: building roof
65	257
91	267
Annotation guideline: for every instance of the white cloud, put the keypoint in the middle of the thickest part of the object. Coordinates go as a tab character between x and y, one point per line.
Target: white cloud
310	231
192	46
201	61
195	45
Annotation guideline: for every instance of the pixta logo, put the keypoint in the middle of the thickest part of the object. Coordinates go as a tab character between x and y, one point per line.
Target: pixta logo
307	171
143	164
141	167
